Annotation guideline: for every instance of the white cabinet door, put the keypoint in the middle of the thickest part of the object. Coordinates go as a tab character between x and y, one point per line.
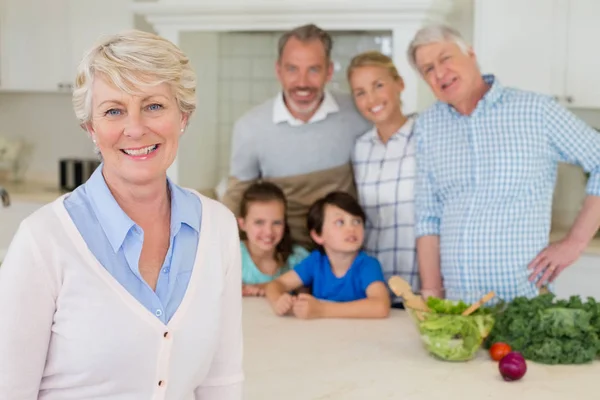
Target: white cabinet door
43	41
91	19
582	278
583	58
521	42
34	45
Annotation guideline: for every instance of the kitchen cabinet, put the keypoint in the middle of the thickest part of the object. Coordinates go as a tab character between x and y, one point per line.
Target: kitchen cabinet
41	42
541	45
582	278
34	45
582	78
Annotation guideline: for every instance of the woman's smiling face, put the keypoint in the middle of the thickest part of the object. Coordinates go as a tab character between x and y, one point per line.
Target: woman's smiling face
137	135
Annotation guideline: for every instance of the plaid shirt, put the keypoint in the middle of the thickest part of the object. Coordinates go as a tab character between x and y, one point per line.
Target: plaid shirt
385	175
485	185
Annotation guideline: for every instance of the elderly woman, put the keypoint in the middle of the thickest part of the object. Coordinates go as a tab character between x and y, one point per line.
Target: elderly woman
128	287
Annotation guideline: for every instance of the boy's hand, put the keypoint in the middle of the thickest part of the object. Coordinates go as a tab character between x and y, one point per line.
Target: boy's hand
307	307
283	304
252	290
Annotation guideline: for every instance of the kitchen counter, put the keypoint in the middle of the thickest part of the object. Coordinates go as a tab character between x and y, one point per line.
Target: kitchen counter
291	359
30	191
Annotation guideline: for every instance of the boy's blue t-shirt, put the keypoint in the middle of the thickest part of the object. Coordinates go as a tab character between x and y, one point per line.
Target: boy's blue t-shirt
315	271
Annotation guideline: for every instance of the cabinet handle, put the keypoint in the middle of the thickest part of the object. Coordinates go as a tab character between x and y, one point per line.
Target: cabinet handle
65	87
569	99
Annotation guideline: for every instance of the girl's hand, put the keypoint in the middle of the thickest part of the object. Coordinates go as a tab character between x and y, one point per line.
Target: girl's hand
283	304
307	307
253	290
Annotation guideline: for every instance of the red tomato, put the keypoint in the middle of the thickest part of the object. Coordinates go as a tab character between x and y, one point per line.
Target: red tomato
499	350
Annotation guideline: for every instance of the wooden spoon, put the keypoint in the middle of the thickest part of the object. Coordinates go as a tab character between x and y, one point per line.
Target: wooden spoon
402	288
478	304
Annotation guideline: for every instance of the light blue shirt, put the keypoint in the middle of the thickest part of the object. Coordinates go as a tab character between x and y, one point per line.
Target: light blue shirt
485	185
116	241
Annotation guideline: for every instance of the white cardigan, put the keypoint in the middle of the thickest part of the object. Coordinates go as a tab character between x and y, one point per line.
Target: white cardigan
70	331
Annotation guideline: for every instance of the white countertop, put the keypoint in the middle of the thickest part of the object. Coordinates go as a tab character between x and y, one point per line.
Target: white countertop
31	191
291	359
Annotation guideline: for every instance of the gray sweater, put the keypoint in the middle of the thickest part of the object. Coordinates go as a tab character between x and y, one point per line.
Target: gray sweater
262	149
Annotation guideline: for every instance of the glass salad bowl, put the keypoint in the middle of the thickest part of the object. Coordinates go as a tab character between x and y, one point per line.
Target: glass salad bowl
448	335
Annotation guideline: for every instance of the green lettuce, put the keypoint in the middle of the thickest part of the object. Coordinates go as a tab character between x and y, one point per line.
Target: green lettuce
449	335
444	306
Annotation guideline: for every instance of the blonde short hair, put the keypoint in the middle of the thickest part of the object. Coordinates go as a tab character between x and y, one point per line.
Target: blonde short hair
373	58
130	60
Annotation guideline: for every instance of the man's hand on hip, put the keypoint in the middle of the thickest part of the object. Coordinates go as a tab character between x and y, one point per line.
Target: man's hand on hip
551	261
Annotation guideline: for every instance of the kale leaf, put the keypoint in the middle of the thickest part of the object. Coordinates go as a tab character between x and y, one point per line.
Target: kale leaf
550	331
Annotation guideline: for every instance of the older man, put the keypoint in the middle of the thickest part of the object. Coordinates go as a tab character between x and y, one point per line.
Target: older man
303	138
487	157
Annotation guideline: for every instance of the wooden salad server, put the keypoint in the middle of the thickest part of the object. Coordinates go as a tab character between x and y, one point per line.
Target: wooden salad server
402	288
479	303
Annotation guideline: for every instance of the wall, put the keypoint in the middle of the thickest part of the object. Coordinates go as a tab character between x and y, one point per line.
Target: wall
461	18
197	157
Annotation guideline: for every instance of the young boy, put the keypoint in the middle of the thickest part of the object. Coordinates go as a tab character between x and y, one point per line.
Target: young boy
345	281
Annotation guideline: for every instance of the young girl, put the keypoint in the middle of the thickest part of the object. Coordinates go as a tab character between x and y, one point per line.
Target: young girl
266	243
384	166
345	281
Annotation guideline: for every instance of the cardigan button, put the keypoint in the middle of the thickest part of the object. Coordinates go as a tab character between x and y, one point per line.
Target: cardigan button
161	383
166	335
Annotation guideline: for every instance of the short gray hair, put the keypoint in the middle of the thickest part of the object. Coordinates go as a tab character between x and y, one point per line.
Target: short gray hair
306	33
435	34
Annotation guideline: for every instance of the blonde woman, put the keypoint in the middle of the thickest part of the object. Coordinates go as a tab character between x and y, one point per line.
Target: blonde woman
384	166
128	287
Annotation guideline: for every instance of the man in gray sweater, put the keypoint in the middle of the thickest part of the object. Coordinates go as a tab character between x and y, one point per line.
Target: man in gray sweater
303	138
